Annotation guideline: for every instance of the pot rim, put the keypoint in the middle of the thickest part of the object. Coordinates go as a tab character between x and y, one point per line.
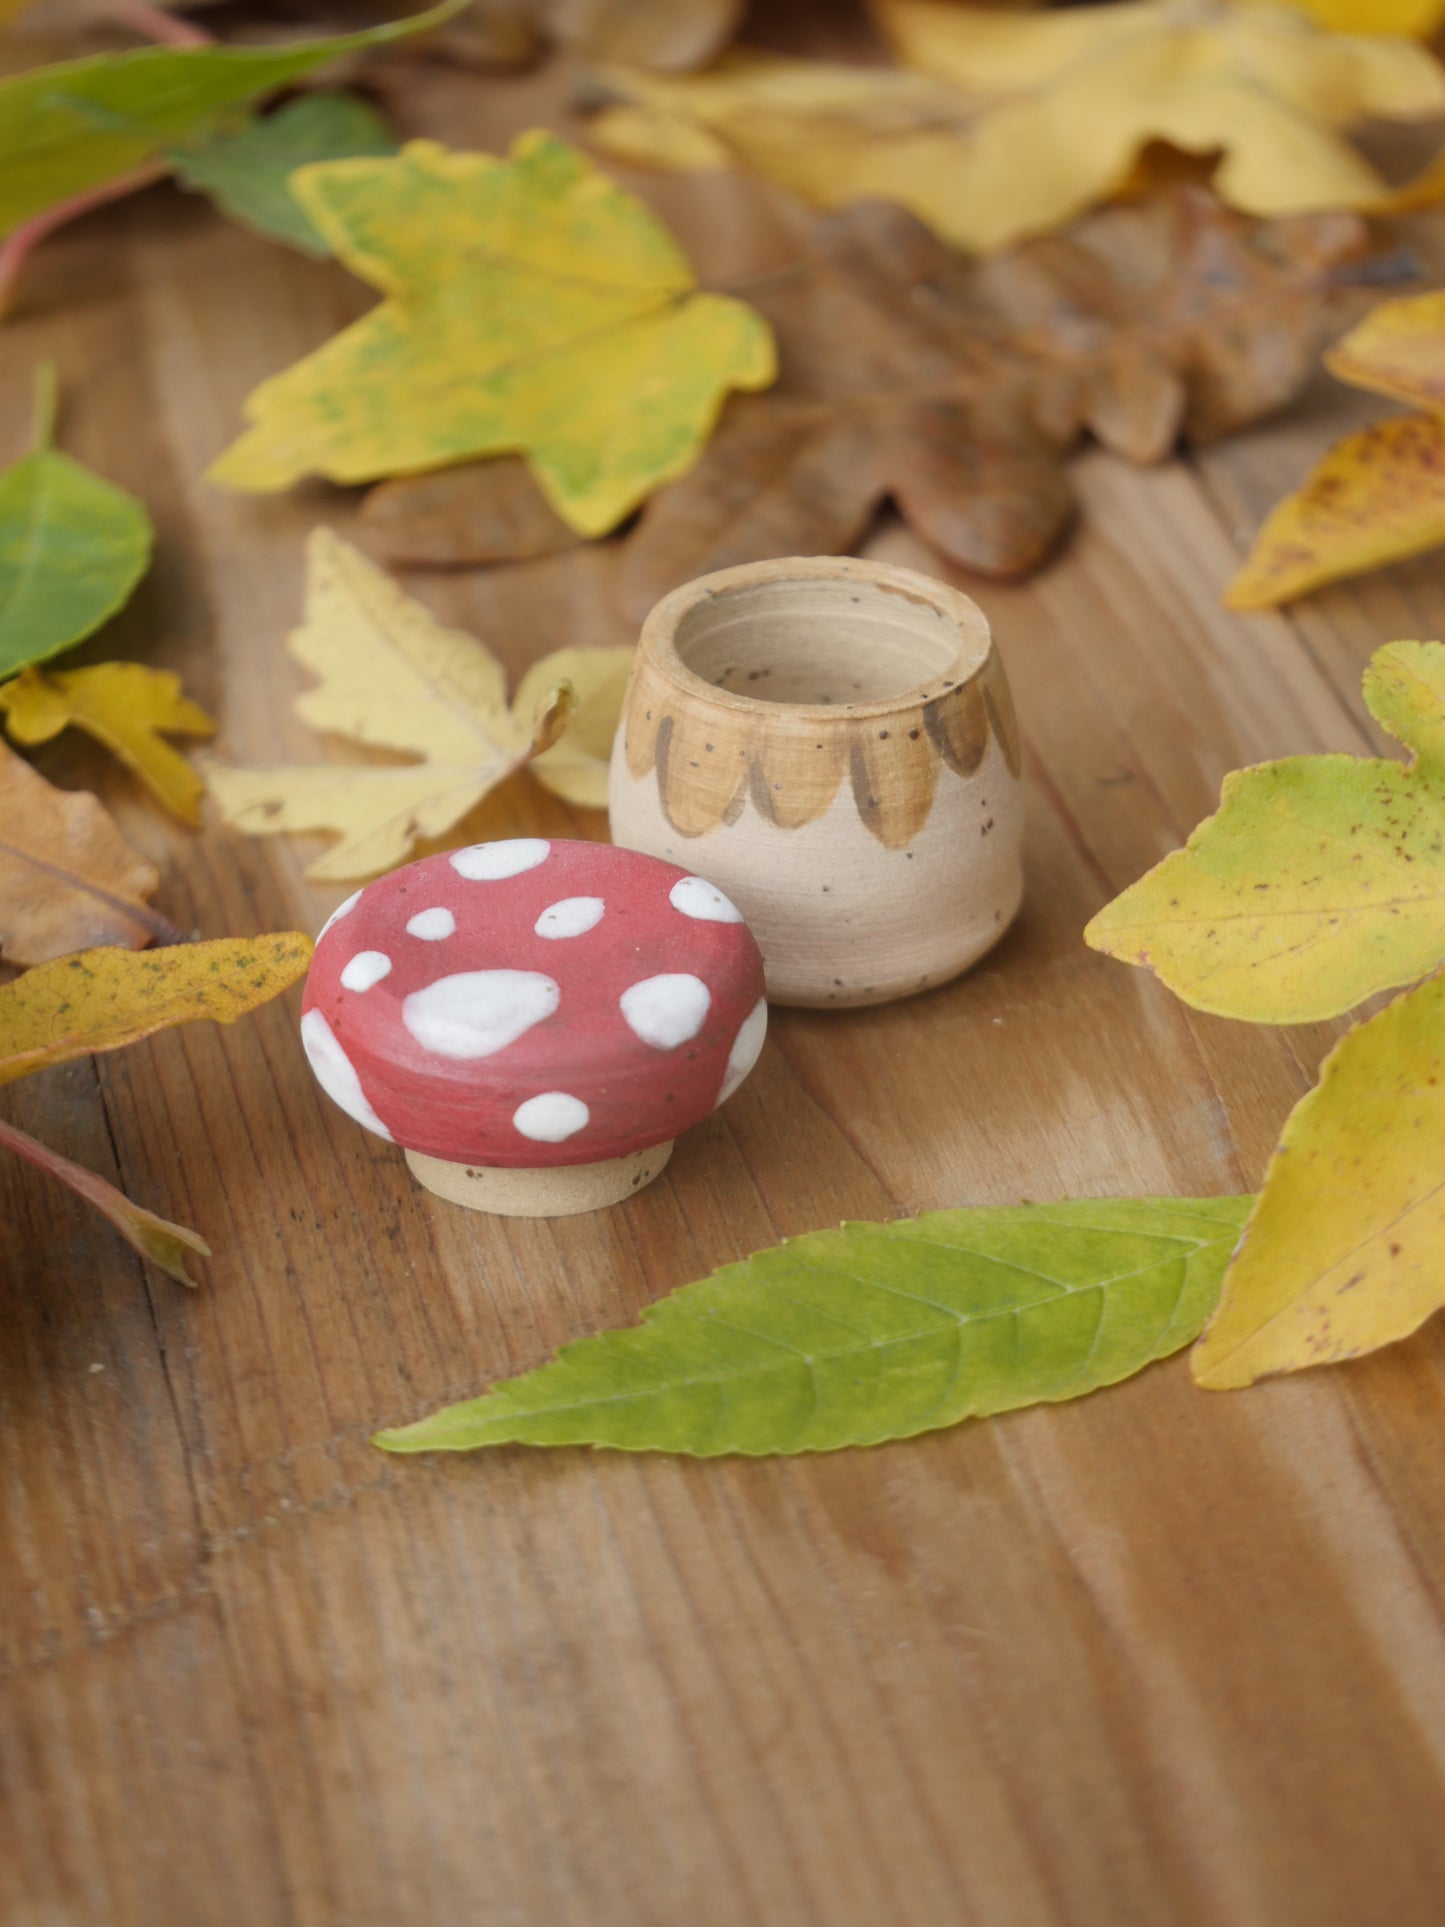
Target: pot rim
657	640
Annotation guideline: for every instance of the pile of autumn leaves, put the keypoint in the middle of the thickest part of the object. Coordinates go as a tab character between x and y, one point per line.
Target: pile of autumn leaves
531	308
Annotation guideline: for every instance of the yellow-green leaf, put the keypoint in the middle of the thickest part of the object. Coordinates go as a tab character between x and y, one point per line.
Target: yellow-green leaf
102	999
69	128
72	547
874	1332
124	705
531	306
247	171
1318	882
1343	1251
393	678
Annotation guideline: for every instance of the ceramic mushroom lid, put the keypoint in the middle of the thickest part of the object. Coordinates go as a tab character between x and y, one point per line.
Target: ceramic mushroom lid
532	1003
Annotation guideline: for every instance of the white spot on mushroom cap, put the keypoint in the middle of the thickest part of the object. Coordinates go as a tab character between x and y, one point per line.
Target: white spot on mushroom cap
366	968
551	1117
478	1012
339	912
696	897
336	1074
666	1011
746	1047
492	862
431	925
572	917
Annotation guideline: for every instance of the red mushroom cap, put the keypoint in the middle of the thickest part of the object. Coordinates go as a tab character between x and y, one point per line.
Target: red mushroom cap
530	1003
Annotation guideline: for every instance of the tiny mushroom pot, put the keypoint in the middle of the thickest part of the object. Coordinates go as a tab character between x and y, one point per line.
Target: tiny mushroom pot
832	741
534	1021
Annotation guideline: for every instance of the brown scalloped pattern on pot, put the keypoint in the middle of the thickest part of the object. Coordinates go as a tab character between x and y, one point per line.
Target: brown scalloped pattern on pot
712	761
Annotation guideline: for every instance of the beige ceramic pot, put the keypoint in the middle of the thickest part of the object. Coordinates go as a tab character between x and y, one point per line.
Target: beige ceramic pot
832	743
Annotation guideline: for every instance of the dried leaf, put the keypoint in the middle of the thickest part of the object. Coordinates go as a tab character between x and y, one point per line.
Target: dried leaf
393	678
654	33
959	388
476	512
1342	1253
72	547
164	1243
874	1332
67	129
575	768
1319	881
247	172
1378	495
123	705
1014	123
530	306
67	877
103	999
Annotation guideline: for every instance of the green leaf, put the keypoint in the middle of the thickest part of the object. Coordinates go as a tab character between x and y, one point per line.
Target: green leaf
247	173
72	547
873	1332
69	128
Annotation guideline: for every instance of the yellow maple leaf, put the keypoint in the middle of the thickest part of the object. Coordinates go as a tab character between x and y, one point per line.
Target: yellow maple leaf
1342	1251
1378	495
1012	124
124	705
1319	881
393	678
531	307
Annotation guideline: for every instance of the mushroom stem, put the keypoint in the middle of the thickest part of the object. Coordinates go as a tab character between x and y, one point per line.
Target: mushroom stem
553	1191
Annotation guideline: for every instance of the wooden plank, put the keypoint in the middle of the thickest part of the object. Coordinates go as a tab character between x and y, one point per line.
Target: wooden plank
1158	1655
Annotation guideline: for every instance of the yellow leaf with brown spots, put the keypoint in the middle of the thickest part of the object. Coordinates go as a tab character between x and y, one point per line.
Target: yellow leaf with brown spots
1318	882
1342	1253
1378	495
101	999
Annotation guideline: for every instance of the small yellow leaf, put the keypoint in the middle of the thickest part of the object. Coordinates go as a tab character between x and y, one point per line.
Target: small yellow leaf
1398	349
1343	1251
123	705
531	307
576	768
393	678
1375	497
102	999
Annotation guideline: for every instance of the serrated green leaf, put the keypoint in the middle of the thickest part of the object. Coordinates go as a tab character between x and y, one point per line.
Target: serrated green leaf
68	128
874	1332
72	548
247	172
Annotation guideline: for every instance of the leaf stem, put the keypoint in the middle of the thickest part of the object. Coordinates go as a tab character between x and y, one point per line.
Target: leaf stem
47	401
164	1243
21	242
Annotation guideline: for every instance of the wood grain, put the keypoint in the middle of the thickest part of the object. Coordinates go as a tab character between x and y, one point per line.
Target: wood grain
1158	1656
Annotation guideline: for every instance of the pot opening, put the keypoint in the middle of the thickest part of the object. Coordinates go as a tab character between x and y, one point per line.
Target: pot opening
821	639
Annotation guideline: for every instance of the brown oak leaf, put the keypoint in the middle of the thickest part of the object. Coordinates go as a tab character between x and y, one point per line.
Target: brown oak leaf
959	387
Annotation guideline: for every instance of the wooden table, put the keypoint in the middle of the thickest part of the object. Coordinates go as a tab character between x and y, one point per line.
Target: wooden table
1159	1656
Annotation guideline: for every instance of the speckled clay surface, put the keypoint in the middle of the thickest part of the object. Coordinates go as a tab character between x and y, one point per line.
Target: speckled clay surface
534	1005
833	742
